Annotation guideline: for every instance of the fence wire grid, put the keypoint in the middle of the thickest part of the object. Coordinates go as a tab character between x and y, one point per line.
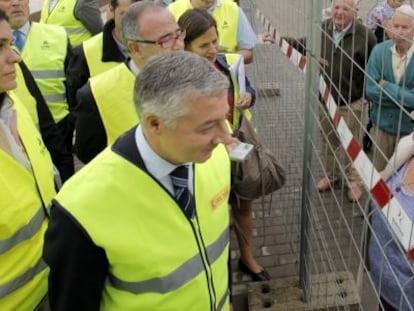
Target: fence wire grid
354	247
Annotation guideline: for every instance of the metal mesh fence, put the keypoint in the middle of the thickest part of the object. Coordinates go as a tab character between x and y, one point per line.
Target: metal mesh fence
349	255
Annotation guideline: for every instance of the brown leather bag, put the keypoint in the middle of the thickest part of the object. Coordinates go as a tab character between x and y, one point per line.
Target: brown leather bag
260	173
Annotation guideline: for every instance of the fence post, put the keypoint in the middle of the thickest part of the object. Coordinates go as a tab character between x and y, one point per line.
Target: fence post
313	44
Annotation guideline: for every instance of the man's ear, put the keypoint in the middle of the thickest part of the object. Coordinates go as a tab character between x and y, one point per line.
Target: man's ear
133	49
152	123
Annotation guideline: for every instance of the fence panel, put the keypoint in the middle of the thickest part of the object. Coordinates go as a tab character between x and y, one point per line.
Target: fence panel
330	254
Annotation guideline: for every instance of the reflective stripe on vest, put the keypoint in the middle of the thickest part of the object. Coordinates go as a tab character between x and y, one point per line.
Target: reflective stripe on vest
186	272
63	15
226	15
24	233
10	287
71	31
162	253
44	54
222	301
55	98
92	48
48	74
115	101
23	219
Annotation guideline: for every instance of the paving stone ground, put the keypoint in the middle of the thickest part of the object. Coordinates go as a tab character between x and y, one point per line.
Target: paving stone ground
337	226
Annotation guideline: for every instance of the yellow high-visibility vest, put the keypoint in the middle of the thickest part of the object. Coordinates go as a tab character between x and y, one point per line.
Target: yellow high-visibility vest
113	92
226	16
48	71
93	54
23	222
158	258
63	15
26	98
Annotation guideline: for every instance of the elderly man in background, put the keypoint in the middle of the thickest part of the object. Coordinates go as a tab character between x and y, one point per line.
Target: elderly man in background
390	86
346	45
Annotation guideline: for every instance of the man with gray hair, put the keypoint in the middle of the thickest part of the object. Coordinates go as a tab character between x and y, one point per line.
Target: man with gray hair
145	225
345	46
390	86
105	105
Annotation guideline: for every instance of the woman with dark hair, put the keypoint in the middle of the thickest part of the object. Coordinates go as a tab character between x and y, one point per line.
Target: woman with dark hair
202	39
26	190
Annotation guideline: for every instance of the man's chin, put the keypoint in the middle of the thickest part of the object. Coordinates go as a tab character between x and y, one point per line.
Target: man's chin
203	157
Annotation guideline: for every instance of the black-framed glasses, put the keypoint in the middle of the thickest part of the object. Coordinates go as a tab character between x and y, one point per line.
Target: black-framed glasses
167	41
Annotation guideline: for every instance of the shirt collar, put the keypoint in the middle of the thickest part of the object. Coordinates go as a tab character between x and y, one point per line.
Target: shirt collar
25	29
344	30
120	46
410	51
133	67
155	165
217	3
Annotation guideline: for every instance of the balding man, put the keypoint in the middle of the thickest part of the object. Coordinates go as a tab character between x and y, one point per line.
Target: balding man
105	105
99	53
346	45
390	86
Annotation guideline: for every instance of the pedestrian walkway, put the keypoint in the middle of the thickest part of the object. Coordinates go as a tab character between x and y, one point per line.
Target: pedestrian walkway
280	123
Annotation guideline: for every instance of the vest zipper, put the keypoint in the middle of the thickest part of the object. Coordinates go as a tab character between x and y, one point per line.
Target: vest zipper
201	246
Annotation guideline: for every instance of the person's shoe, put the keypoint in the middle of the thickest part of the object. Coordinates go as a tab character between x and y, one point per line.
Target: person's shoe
354	193
324	184
256	277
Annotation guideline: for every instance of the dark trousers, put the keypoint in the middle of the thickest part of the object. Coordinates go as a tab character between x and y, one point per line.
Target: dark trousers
385	306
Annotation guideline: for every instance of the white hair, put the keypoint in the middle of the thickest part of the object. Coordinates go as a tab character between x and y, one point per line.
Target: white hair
352	3
406	10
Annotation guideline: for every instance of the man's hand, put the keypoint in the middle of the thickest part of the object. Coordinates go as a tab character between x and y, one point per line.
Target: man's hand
267	38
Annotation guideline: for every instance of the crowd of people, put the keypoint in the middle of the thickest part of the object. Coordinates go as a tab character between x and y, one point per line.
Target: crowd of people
148	103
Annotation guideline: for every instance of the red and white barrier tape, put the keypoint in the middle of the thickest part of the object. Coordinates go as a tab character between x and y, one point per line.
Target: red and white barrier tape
399	221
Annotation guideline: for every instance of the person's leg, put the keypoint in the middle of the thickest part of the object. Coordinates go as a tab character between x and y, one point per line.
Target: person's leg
330	147
355	117
384	306
243	219
243	224
383	147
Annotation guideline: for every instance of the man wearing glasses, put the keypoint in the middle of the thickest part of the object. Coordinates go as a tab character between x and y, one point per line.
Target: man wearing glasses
105	107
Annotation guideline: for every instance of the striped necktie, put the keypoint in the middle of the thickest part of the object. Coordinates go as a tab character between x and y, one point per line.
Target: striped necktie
18	39
179	179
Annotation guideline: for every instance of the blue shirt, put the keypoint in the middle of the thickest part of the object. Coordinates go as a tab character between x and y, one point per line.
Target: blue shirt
391	270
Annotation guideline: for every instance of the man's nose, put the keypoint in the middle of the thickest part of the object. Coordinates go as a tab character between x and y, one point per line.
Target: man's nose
223	133
178	44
